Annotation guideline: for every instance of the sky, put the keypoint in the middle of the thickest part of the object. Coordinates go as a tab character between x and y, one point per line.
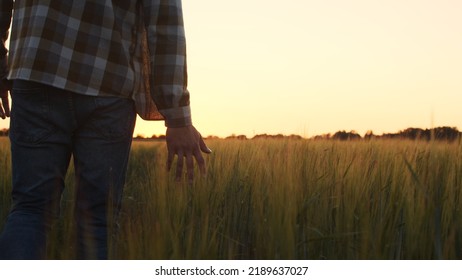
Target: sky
311	67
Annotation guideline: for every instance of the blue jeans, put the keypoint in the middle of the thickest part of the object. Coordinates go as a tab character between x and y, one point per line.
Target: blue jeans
48	126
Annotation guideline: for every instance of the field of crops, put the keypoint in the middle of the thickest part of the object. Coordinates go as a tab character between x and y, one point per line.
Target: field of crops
284	199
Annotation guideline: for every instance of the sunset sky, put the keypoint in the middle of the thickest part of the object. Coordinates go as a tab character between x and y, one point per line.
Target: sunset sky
310	67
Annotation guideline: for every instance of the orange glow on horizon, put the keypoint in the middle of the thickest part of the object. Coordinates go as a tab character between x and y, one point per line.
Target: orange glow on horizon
311	67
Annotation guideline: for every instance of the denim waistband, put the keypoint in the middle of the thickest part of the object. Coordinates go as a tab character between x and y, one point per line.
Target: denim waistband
24	84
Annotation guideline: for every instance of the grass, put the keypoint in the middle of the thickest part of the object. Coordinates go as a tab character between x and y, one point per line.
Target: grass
284	199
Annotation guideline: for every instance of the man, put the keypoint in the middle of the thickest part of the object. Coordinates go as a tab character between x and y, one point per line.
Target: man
75	69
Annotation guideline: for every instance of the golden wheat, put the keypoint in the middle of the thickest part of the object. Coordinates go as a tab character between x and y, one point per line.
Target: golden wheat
284	199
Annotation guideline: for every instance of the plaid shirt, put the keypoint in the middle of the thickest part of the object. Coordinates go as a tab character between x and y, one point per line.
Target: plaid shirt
127	48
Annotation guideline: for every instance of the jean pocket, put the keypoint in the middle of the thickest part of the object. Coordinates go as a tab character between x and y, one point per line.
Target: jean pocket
30	113
114	118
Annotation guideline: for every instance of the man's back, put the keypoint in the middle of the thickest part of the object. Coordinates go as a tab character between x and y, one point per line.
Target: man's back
94	47
82	46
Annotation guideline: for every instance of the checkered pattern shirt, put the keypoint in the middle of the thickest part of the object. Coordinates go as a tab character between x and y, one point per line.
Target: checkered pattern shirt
128	48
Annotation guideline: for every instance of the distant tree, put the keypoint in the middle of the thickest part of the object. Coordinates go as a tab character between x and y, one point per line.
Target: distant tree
260	136
237	137
276	136
343	135
446	133
158	137
294	137
439	133
322	137
369	135
389	136
415	134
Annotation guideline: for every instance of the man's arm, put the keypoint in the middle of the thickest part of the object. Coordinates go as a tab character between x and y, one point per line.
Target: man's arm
6	8
167	47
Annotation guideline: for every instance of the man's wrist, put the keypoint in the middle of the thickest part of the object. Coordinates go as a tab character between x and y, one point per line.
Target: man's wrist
177	117
176	123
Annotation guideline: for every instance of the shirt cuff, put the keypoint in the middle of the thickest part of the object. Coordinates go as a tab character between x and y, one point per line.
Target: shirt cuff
177	117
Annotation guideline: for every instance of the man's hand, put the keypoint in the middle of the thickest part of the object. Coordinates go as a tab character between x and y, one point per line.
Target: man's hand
186	142
5	87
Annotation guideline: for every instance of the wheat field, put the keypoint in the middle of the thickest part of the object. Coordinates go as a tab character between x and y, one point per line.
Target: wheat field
283	199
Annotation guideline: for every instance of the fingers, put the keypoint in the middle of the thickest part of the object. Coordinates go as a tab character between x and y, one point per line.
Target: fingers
170	157
200	161
187	144
179	166
189	157
204	147
190	167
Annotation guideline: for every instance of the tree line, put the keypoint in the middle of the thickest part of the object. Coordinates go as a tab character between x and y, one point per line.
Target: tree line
443	133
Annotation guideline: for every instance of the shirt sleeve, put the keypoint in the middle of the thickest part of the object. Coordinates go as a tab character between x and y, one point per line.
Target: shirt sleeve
164	25
6	8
